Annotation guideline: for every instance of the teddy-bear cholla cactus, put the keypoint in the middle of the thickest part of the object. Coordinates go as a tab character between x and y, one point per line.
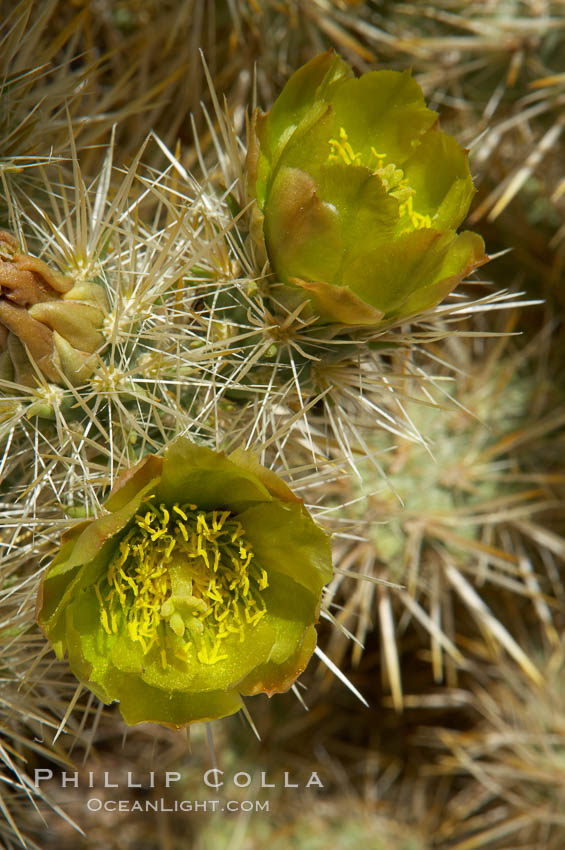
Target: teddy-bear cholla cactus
117	353
152	308
200	584
289	371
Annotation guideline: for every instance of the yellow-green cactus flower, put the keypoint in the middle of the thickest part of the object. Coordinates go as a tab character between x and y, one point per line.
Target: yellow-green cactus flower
359	194
201	583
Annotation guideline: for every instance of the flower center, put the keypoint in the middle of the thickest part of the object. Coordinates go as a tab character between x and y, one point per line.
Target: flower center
184	572
392	178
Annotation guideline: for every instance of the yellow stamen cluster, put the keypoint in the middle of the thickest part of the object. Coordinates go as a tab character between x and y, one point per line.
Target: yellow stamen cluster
341	150
417	220
182	579
393	179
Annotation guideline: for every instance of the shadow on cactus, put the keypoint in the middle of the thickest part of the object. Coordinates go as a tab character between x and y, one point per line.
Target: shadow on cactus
201	584
513	762
359	194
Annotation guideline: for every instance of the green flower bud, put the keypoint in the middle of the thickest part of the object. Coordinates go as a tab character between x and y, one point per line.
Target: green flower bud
201	583
359	194
49	323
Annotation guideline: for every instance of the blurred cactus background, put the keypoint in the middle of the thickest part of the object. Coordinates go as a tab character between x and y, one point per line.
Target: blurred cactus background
135	307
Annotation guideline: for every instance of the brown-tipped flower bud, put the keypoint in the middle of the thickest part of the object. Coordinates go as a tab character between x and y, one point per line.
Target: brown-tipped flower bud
49	324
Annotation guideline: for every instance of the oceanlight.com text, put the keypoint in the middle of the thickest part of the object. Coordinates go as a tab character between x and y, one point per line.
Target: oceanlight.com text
95	804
